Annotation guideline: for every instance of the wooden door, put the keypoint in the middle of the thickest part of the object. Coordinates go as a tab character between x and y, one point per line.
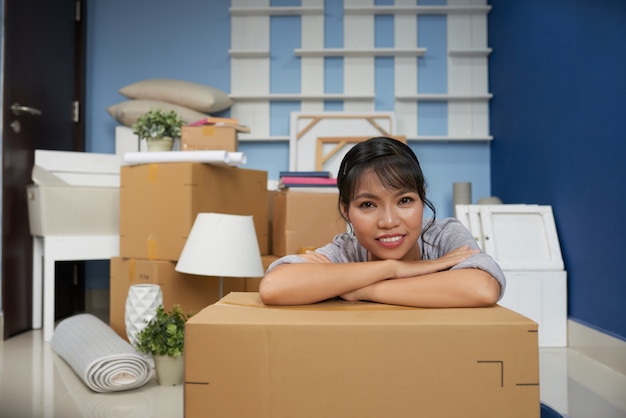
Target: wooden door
43	57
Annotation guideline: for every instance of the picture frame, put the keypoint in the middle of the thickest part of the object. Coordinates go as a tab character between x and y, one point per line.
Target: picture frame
319	141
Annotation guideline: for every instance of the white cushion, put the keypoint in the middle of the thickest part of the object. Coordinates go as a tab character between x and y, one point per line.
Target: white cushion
195	96
128	111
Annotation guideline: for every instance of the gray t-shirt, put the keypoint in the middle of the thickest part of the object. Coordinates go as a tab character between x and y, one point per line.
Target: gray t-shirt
443	236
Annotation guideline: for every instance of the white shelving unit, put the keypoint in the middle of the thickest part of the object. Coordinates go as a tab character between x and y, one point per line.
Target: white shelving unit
467	94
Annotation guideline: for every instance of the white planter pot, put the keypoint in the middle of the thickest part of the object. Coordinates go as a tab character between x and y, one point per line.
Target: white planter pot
160	144
169	370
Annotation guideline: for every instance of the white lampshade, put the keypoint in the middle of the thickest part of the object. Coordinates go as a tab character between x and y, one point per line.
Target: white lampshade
221	245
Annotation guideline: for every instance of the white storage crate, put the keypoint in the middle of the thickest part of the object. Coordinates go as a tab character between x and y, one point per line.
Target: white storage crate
74	193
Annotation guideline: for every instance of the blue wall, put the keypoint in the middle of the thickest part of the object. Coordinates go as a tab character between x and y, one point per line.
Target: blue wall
131	41
141	39
558	75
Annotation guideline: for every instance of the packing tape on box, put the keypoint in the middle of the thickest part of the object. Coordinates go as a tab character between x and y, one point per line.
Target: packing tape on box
208	130
153	173
132	269
152	247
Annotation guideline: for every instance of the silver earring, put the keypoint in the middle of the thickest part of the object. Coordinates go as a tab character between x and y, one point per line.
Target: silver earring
349	229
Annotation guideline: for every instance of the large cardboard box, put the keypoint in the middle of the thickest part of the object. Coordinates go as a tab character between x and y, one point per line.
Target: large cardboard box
193	293
209	137
303	220
159	203
342	359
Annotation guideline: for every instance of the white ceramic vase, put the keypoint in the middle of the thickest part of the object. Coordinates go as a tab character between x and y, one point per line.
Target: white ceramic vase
141	304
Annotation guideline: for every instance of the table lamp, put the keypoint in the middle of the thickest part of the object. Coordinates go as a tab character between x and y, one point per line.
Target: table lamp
221	245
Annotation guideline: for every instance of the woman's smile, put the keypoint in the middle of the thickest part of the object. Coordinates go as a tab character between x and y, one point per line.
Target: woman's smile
391	241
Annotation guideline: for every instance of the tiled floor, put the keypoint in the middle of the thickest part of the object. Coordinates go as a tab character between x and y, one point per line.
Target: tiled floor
35	382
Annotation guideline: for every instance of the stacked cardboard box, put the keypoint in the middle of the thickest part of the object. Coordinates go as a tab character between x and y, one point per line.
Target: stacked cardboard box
345	359
158	206
304	220
209	137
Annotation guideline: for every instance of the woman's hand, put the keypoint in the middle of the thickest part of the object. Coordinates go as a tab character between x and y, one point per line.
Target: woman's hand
445	262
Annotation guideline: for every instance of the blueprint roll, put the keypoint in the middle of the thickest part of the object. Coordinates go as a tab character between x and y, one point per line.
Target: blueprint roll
462	193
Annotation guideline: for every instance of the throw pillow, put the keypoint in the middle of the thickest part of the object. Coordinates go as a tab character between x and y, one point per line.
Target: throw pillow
128	111
183	93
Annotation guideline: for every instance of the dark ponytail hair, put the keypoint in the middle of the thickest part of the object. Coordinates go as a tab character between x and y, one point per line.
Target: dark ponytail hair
392	161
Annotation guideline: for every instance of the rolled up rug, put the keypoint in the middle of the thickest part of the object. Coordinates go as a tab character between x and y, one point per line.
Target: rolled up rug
100	357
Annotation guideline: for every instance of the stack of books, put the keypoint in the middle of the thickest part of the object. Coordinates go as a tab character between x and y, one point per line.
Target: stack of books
307	181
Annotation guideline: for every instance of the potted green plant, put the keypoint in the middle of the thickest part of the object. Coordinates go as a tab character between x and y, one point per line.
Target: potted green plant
164	338
159	128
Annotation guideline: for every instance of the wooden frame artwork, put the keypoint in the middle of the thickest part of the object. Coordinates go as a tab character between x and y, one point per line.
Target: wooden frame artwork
321	158
318	141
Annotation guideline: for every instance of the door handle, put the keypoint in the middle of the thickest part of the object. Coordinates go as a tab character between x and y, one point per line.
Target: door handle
19	109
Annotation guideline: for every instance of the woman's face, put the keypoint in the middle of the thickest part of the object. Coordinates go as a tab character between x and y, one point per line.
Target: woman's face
386	222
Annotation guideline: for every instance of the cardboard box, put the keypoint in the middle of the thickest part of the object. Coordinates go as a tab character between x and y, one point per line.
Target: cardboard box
304	220
341	359
193	293
252	284
159	204
209	137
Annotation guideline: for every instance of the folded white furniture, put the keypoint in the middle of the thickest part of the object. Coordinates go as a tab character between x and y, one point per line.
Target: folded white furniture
524	241
73	210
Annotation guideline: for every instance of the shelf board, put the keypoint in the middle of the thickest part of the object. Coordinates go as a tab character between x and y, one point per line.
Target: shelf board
275	11
299	96
374	52
422	138
248	53
477	52
444	97
423	10
249	138
453	138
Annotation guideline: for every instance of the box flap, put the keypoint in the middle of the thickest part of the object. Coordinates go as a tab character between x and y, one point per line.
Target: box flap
236	306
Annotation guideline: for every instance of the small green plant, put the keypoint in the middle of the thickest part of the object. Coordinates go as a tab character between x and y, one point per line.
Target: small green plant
158	123
164	334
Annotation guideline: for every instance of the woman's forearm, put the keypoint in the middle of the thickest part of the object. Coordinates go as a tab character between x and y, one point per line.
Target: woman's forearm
304	283
446	289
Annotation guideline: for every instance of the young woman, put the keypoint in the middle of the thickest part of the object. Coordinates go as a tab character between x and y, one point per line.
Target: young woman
389	255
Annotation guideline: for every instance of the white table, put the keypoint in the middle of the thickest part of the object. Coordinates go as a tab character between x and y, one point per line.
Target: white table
46	252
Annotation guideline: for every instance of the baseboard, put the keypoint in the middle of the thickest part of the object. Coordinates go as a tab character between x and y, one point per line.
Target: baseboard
597	345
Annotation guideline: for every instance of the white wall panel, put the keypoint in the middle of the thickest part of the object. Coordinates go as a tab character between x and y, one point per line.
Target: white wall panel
250	33
467	63
405	71
249	76
406	117
254	114
312	68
